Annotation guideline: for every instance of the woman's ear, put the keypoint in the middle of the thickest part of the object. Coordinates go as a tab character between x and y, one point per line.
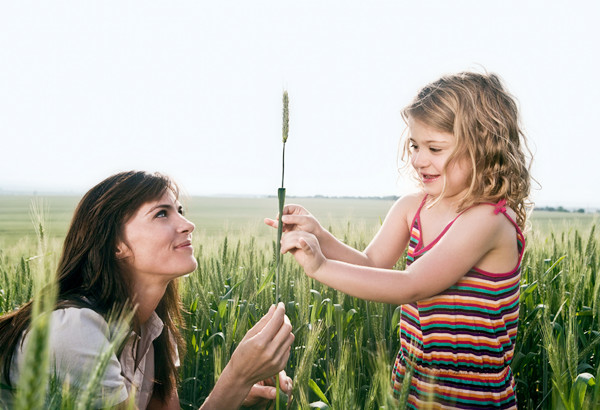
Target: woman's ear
122	251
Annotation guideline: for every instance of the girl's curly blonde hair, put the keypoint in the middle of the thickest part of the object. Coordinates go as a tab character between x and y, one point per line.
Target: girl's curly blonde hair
483	117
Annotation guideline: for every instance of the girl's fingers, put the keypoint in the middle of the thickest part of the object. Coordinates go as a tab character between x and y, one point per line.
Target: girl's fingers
296	240
289	242
294	220
274	223
294	209
271	222
305	246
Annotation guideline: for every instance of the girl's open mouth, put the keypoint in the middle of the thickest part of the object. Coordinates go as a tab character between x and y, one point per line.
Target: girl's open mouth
429	178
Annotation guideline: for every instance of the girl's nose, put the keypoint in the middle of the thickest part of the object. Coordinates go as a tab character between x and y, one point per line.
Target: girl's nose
419	160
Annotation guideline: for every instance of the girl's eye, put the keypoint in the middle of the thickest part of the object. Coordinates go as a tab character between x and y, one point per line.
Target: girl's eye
413	146
435	149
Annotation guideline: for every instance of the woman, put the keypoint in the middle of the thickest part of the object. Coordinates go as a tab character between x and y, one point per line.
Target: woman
127	244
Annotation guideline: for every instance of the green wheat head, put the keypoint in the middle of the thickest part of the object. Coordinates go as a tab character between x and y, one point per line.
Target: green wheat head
286	117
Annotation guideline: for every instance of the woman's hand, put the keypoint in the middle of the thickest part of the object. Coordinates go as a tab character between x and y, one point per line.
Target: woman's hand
264	391
297	218
306	249
262	353
265	349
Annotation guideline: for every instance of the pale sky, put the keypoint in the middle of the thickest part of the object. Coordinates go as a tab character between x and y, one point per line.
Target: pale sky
193	89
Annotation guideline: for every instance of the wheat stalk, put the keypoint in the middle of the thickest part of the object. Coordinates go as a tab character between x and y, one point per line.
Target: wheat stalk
281	197
34	374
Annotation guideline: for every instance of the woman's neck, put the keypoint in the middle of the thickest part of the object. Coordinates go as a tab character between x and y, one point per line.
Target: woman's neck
147	296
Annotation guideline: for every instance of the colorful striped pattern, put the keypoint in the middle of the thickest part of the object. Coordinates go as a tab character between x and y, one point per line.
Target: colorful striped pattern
457	346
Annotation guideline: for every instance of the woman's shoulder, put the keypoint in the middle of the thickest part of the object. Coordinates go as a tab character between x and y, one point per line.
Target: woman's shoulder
75	329
80	319
79	341
77	337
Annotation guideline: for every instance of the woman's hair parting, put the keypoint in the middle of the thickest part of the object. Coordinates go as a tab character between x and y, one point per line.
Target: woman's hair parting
483	117
90	275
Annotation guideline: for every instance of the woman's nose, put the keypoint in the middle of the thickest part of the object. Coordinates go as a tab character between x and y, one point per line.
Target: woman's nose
187	225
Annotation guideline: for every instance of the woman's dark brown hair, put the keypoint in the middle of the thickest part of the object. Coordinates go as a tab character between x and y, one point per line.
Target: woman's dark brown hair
89	274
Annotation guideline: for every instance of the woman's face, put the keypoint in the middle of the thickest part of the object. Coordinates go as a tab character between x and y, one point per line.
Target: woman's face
157	241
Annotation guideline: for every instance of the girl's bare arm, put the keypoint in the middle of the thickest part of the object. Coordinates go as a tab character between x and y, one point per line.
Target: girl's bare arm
472	237
384	250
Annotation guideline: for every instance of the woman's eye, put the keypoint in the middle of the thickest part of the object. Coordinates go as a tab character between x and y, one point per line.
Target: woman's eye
181	211
161	214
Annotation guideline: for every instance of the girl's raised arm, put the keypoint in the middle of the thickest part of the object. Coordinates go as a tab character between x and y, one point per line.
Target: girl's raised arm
476	234
384	250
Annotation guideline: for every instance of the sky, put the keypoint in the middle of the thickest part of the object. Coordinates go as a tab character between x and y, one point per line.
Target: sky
193	89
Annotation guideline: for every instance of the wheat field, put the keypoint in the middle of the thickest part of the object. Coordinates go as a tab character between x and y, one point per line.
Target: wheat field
344	347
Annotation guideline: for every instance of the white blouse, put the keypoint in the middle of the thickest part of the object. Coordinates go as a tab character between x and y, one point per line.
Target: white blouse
78	336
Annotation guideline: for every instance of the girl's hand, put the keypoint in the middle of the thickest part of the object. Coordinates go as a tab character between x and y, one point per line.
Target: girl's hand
264	391
297	218
306	249
265	349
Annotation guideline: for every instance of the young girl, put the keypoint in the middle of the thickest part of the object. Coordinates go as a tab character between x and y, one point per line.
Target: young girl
460	290
128	243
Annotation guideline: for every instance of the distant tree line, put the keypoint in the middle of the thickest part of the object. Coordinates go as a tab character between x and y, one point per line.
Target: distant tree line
559	209
386	197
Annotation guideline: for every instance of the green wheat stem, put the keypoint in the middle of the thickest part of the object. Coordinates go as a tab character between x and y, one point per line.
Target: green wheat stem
281	198
34	375
283	165
281	191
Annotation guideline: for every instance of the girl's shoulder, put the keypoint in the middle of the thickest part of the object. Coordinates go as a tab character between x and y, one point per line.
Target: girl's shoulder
407	206
497	214
489	222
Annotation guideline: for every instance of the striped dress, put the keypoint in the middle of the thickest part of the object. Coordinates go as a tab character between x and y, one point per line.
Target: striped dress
456	347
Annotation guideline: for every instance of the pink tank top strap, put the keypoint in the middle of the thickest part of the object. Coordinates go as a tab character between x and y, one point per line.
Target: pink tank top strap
417	217
499	207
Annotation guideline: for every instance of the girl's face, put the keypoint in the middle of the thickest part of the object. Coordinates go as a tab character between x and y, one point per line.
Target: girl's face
429	152
157	241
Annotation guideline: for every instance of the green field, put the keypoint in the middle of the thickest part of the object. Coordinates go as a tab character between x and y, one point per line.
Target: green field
213	217
344	347
216	217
